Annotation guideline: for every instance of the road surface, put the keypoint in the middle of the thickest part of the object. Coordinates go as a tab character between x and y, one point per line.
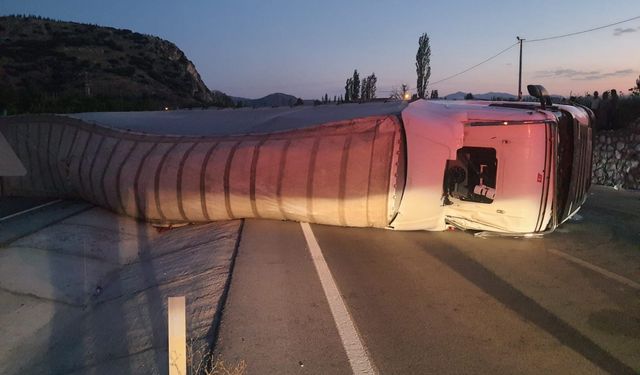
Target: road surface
442	302
423	302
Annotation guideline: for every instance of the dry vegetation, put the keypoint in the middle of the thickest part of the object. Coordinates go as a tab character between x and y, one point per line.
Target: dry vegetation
200	361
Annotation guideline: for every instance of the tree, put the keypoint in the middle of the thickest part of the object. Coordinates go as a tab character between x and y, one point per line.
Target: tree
298	102
423	64
348	88
405	90
402	93
469	96
355	88
368	87
371	86
434	94
635	91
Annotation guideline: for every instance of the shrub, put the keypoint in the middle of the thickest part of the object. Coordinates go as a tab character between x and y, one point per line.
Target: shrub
140	62
125	71
628	111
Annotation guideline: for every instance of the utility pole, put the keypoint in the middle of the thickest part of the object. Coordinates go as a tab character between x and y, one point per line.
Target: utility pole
520	40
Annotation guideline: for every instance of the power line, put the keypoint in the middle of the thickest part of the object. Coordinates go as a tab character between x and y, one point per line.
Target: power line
581	32
476	65
526	41
533	41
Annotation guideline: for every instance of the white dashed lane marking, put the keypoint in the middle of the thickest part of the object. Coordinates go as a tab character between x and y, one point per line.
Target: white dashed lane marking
593	267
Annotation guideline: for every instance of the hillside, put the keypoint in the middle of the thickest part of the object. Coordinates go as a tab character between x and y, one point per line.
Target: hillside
271	100
55	66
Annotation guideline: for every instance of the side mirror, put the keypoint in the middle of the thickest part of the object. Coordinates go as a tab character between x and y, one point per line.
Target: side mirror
539	92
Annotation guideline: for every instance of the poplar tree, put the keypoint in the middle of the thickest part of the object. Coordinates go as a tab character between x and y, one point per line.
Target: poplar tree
371	89
423	64
348	87
355	88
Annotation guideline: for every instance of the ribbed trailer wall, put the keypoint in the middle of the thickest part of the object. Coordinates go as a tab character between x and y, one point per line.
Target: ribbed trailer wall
343	173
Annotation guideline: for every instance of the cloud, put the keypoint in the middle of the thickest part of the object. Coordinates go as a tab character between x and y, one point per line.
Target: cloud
581	75
566	73
619	30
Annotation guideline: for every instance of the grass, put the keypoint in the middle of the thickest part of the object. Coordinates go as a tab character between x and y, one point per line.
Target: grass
200	361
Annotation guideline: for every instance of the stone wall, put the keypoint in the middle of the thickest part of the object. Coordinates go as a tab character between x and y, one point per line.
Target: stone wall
616	157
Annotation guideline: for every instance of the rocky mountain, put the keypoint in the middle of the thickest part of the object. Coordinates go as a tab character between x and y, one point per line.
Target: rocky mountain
56	66
456	96
272	100
486	96
496	96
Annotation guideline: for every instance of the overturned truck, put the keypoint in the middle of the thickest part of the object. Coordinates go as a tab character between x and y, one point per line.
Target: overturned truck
513	168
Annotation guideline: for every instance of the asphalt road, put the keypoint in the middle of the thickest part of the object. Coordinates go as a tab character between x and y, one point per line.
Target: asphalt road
443	302
436	302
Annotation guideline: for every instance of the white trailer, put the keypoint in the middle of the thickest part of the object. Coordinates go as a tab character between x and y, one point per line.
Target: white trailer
499	167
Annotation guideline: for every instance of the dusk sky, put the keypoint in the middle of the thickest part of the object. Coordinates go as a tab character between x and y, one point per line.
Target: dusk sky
309	48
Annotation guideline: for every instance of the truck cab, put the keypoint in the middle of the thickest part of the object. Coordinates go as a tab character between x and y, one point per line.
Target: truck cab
500	167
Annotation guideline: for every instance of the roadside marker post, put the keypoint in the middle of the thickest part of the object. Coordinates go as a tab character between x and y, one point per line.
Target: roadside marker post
177	336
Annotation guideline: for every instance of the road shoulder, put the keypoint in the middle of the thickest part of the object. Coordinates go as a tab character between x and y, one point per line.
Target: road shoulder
88	293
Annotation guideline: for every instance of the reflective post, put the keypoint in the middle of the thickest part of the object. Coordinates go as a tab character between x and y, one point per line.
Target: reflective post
177	336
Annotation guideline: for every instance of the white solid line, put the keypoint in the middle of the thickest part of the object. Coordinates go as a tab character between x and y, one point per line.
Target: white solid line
600	270
351	341
30	209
